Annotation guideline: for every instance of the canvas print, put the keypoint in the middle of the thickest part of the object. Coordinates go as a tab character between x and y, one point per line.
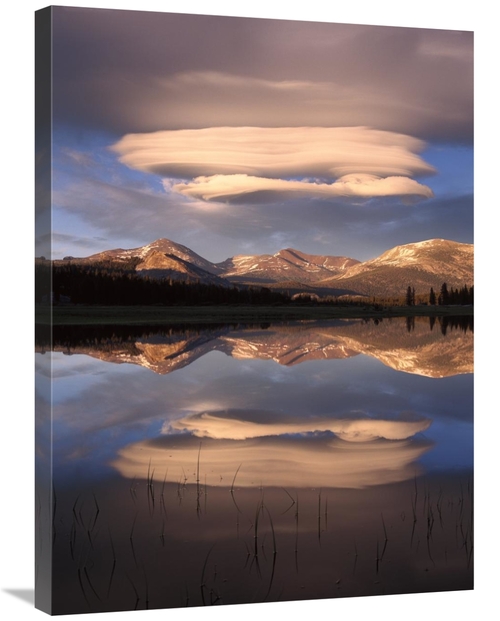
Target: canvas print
254	310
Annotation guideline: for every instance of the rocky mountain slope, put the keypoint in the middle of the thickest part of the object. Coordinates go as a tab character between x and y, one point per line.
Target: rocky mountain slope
285	265
420	265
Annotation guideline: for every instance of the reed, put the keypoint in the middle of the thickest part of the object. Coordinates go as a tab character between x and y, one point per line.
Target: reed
72	540
113	566
80	581
202	581
273	568
274	516
198	492
131	539
90	583
96	513
137	598
355	558
133	493
74	508
386	539
232	489
292	501
162	534
385	530
162	495
150	489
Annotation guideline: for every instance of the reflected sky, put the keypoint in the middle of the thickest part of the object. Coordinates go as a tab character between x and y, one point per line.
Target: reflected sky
110	417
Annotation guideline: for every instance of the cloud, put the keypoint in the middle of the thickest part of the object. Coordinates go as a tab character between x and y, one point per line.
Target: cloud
144	72
227	187
218	232
227	162
244	424
274	152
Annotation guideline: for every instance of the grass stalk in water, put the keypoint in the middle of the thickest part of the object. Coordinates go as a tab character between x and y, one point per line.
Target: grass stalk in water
202	582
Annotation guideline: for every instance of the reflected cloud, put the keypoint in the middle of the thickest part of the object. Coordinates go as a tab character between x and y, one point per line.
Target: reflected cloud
273	461
244	424
300	385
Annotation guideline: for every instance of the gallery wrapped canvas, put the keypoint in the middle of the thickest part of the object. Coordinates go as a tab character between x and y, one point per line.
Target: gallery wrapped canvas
254	289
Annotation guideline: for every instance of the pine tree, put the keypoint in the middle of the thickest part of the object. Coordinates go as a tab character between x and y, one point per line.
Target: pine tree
410	300
444	297
432	297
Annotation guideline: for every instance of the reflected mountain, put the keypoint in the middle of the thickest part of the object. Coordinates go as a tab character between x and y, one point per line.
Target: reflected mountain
420	348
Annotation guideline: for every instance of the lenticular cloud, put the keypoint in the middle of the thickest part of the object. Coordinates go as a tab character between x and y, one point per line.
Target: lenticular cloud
227	187
226	163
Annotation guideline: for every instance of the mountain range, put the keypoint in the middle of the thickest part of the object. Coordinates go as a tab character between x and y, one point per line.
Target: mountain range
420	265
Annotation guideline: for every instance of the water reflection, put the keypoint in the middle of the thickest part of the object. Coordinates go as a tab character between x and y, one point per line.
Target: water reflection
411	345
286	451
306	462
244	424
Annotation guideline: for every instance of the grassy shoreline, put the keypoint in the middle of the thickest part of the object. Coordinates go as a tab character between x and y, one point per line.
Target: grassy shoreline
141	315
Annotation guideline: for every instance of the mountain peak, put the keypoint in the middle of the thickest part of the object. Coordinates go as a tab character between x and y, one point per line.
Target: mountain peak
431	248
421	264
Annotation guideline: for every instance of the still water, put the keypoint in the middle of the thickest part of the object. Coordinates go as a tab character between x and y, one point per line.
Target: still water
239	464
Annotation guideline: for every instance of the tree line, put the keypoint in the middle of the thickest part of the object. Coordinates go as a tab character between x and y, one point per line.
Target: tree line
118	284
462	296
105	284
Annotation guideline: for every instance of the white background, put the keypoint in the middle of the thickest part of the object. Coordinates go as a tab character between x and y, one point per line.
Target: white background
16	309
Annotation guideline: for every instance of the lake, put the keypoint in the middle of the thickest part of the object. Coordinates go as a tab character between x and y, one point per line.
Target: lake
248	463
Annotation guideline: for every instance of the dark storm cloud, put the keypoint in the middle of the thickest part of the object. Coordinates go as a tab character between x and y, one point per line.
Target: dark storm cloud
148	71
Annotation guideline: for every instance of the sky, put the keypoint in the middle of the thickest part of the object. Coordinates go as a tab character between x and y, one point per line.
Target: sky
248	135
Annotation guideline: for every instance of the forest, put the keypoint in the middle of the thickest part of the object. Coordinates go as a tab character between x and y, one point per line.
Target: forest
117	284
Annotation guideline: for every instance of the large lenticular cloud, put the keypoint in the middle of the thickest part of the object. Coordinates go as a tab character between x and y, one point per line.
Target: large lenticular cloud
224	163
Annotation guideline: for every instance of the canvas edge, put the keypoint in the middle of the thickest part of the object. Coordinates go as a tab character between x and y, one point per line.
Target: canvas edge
44	492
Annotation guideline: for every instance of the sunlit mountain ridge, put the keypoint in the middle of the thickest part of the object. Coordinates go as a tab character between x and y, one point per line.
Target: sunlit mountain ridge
421	265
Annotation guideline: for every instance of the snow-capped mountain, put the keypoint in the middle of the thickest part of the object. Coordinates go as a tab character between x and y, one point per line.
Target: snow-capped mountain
160	246
286	265
161	259
421	265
